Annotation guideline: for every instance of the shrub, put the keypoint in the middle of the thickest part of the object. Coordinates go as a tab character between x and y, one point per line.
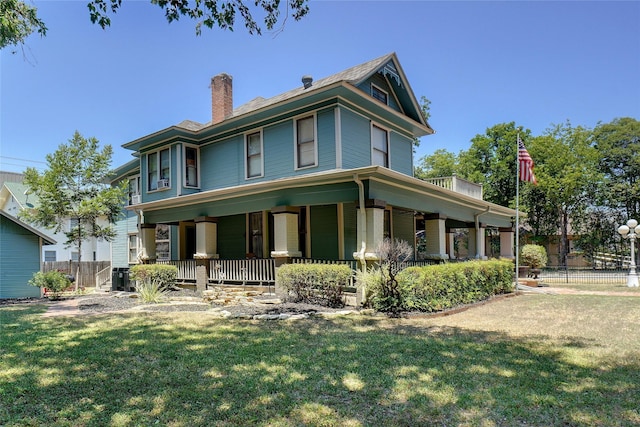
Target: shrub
55	282
162	274
535	256
440	287
381	281
151	292
315	283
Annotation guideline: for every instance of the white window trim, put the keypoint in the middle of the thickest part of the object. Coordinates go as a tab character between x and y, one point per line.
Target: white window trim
246	155
379	89
315	141
159	169
373	124
184	166
139	193
137	248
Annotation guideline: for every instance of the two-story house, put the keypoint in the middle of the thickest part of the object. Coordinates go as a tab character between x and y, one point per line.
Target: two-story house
323	171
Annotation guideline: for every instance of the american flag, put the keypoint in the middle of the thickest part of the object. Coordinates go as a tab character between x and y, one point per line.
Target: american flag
526	163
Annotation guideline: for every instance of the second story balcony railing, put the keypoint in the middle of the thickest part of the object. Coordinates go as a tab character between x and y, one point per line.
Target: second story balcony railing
458	185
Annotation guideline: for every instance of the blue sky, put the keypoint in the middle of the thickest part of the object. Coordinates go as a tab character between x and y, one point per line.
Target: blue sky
481	63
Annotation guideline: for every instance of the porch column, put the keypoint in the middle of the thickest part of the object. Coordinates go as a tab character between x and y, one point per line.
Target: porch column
206	237
148	238
478	246
506	242
435	233
451	244
285	230
374	209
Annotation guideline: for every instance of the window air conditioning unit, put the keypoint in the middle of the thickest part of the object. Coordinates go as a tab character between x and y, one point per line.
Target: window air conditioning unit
137	199
163	183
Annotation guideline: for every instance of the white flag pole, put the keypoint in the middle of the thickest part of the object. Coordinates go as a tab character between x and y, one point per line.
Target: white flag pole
517	209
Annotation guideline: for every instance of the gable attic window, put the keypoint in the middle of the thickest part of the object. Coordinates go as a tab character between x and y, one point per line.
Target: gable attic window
158	170
253	150
191	166
379	94
306	152
379	146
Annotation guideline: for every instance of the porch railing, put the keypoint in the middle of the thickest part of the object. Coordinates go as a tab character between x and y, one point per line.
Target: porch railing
186	269
103	277
262	271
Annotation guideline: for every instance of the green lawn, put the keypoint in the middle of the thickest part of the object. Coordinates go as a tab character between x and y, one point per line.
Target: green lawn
561	360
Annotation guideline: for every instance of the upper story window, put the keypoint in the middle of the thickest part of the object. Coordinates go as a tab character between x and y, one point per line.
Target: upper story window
379	94
379	146
253	150
158	170
191	163
306	147
133	191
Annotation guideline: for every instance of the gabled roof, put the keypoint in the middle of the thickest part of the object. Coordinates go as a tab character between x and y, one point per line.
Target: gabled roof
352	77
19	192
46	239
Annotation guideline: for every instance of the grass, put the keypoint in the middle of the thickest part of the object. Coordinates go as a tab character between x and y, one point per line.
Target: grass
561	360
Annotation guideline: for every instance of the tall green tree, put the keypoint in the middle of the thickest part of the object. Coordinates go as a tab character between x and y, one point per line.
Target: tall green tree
75	186
440	163
491	161
618	143
567	173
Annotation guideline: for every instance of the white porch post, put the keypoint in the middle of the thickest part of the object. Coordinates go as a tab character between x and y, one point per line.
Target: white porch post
285	230
481	241
506	242
374	209
206	237
451	248
148	237
435	234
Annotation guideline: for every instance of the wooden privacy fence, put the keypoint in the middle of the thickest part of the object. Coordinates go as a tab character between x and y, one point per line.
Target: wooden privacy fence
88	270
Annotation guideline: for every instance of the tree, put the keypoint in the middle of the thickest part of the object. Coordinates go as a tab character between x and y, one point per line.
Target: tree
566	171
75	186
491	161
440	163
17	21
618	143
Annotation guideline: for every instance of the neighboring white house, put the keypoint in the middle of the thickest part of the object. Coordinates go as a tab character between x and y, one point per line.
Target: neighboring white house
14	198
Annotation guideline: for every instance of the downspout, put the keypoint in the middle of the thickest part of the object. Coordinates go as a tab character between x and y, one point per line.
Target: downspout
476	218
363	223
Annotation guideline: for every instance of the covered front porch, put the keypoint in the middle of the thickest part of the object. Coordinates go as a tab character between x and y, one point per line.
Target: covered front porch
242	236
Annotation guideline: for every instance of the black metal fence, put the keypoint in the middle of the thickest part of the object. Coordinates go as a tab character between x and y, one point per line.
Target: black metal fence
552	275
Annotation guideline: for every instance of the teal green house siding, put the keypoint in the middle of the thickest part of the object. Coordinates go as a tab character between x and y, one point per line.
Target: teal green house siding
20	250
120	246
325	193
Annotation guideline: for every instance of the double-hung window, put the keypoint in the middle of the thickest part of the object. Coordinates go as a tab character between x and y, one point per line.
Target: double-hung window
379	94
158	169
132	241
191	166
306	153
134	190
379	146
253	151
163	242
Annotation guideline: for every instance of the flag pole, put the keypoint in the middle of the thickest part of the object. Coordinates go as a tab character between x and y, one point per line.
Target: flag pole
517	210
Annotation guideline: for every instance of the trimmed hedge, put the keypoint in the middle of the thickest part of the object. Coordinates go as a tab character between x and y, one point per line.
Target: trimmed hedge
440	287
315	283
162	274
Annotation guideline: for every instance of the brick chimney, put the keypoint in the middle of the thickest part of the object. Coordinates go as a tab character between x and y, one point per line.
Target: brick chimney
221	98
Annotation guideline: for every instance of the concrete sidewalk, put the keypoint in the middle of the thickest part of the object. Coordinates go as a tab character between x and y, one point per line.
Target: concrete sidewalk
66	307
